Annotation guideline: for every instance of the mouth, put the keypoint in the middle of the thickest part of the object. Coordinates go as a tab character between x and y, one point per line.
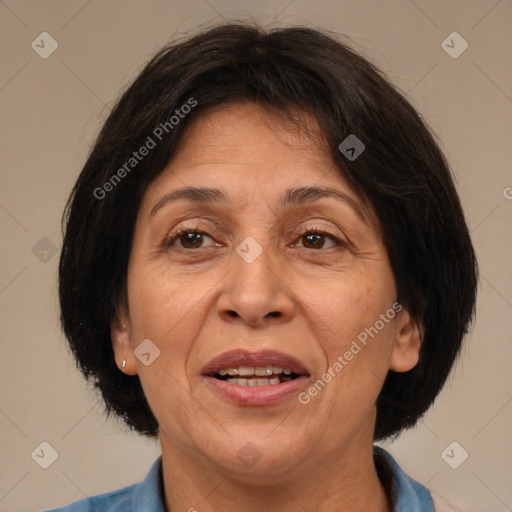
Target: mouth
260	378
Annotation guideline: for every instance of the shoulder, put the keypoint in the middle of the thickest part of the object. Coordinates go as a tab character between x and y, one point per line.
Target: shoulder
408	494
146	495
115	501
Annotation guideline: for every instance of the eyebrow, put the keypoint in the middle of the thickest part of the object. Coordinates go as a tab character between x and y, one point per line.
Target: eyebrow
292	197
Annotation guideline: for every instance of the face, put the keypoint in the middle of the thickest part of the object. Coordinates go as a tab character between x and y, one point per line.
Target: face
277	271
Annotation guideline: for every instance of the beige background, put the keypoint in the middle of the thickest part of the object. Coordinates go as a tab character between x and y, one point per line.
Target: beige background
52	108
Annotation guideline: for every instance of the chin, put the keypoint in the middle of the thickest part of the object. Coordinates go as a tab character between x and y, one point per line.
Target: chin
257	456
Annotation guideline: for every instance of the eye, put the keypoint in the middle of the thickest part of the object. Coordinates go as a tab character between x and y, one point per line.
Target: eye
188	238
315	239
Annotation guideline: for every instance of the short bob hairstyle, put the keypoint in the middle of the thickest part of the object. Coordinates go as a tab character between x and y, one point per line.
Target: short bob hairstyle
402	175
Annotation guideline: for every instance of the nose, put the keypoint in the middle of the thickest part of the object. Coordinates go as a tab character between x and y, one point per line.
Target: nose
256	294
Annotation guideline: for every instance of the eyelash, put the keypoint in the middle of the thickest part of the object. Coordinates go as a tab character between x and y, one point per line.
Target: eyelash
171	239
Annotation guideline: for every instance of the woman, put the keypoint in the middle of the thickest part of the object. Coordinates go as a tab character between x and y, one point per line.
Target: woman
267	267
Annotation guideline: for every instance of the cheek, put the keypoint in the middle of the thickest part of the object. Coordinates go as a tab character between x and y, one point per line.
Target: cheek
346	319
343	308
167	311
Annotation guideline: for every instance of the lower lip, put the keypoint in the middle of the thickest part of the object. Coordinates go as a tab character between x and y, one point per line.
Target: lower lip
257	395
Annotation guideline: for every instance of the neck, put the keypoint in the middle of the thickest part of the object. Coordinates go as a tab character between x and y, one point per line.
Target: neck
345	480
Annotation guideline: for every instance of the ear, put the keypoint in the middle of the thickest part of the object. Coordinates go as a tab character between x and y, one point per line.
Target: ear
120	335
406	349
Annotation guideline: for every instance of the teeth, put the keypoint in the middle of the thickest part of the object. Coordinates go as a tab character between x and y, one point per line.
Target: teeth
254	382
263	371
258	371
238	382
256	375
246	371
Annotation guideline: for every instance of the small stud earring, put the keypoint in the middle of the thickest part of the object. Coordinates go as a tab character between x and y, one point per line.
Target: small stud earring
124	363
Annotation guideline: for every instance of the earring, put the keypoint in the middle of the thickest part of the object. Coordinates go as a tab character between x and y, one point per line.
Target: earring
124	363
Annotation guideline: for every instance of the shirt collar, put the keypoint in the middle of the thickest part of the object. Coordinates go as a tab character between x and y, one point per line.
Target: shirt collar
407	495
149	494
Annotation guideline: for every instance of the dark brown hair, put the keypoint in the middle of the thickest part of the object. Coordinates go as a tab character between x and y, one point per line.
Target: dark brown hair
402	174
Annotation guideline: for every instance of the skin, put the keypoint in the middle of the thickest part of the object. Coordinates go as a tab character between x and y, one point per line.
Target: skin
307	300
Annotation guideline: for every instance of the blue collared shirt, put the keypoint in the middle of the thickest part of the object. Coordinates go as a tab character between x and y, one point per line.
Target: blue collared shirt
147	496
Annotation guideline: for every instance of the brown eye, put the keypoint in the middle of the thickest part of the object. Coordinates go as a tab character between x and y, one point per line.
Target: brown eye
191	240
313	240
317	239
188	239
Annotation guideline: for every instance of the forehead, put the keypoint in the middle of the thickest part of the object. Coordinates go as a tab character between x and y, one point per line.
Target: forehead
249	134
248	150
246	142
239	153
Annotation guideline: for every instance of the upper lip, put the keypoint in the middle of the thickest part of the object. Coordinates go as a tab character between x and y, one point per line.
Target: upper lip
242	357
